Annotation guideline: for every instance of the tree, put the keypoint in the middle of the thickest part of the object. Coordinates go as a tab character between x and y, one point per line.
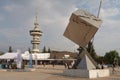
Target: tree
10	49
109	57
91	50
100	59
44	50
49	51
1	52
29	50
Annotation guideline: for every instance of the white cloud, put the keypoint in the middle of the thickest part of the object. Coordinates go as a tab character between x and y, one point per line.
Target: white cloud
108	37
11	7
8	8
110	12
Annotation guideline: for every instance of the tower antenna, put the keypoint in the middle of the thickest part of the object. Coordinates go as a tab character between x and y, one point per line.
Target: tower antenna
36	18
36	15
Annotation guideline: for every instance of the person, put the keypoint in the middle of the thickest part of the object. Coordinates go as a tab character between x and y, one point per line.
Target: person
53	64
40	62
98	66
72	63
113	67
68	65
102	67
44	64
65	64
8	64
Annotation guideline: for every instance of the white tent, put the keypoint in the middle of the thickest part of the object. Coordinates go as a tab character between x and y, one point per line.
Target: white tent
26	56
9	55
39	56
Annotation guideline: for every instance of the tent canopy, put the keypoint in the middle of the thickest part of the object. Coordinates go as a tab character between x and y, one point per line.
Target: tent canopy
38	56
8	56
26	56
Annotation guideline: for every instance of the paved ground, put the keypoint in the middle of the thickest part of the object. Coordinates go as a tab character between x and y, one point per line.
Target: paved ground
48	73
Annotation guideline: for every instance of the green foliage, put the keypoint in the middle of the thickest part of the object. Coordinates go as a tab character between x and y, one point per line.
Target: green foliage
91	50
1	52
10	49
29	50
110	56
100	59
49	51
44	50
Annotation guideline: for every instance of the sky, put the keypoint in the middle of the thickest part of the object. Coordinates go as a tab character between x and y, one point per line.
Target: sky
17	18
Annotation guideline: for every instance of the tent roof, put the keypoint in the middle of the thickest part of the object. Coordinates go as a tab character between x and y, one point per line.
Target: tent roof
38	56
8	56
25	56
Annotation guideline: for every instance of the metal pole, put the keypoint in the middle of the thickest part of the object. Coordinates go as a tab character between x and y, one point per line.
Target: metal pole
99	9
30	61
35	59
97	17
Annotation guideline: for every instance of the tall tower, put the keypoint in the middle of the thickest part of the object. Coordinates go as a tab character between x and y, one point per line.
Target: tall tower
36	33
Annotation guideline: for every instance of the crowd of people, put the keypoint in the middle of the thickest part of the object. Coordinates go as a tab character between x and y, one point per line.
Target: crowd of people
66	64
9	64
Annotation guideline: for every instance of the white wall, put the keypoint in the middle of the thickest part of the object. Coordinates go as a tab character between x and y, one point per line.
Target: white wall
87	73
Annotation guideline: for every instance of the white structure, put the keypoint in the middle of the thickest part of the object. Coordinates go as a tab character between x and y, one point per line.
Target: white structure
96	73
38	56
9	55
25	56
18	59
36	33
86	69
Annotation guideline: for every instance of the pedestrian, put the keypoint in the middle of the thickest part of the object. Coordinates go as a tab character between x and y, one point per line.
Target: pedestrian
44	64
113	67
68	66
65	64
72	63
53	64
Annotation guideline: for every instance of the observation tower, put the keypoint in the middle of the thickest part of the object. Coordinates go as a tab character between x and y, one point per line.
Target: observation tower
36	33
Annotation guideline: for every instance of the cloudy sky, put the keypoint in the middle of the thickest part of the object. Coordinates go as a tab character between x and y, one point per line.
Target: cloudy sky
17	18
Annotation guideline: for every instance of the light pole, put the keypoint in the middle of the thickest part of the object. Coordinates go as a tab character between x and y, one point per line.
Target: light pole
35	59
30	60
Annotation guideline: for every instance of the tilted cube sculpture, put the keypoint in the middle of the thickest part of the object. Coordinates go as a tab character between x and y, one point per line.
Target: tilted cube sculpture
81	29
